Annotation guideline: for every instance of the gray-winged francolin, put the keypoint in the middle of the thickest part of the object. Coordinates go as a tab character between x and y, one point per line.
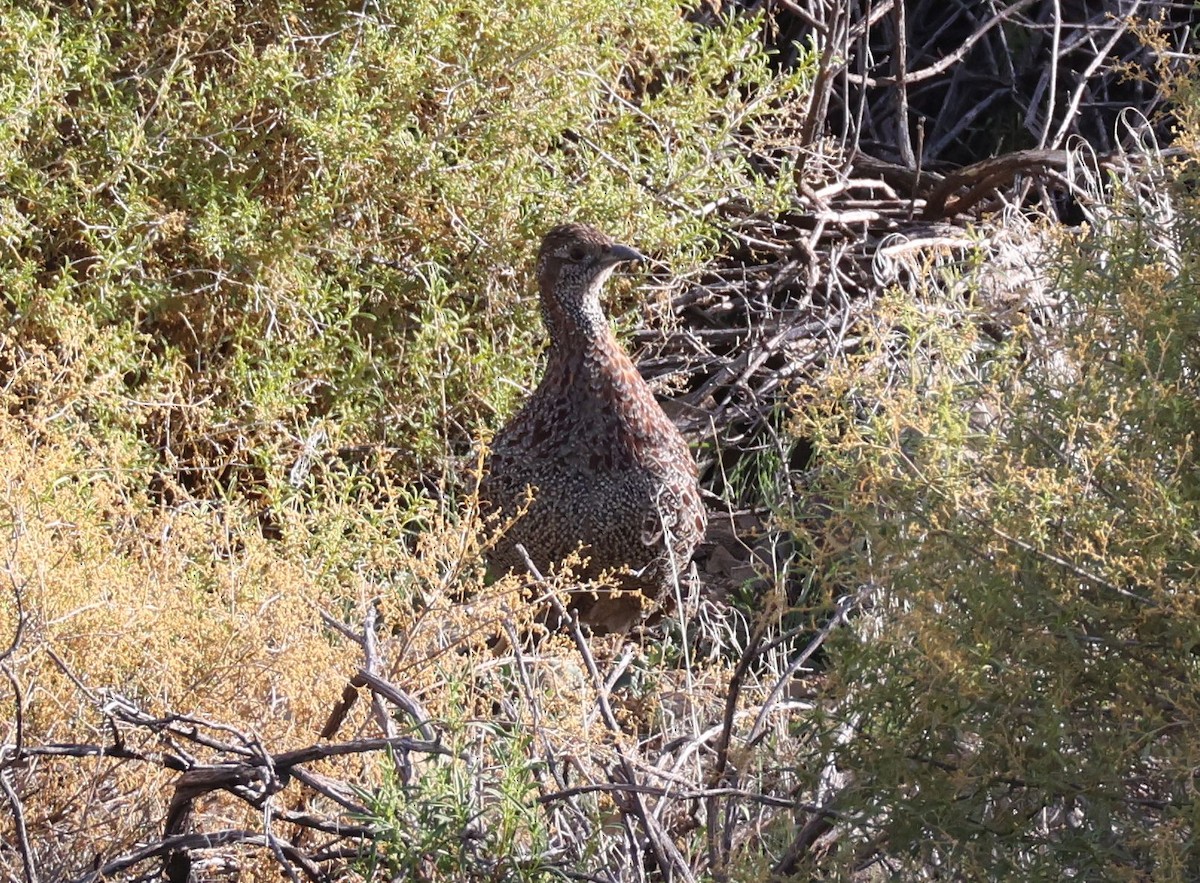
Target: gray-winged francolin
591	457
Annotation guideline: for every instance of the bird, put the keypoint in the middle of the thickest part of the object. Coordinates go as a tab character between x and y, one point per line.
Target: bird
591	463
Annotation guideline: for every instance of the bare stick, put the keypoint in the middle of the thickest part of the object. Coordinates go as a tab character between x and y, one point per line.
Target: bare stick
14	751
950	59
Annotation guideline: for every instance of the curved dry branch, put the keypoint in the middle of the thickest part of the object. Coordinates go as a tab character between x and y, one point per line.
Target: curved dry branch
247	771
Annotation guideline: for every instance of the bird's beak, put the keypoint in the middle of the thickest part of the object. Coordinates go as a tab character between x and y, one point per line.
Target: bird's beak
620	254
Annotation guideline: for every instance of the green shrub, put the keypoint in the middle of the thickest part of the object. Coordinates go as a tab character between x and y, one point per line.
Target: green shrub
442	825
242	224
1019	701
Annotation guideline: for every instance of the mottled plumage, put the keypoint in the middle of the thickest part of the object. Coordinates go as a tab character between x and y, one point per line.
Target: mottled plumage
607	468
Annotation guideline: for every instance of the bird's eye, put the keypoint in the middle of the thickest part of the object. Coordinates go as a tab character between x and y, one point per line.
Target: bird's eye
577	253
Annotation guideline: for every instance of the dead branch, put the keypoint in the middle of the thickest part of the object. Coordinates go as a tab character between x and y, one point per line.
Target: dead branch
248	772
368	676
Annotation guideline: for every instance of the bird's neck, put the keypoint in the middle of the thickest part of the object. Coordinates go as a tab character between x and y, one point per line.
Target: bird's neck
583	348
575	324
587	350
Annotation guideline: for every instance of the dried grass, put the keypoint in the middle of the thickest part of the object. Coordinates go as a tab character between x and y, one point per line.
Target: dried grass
175	611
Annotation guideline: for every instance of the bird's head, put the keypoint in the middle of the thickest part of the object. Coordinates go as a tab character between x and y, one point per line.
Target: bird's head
574	262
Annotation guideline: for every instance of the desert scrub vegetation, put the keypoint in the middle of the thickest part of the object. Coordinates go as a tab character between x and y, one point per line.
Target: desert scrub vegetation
1017	700
263	281
263	277
261	229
